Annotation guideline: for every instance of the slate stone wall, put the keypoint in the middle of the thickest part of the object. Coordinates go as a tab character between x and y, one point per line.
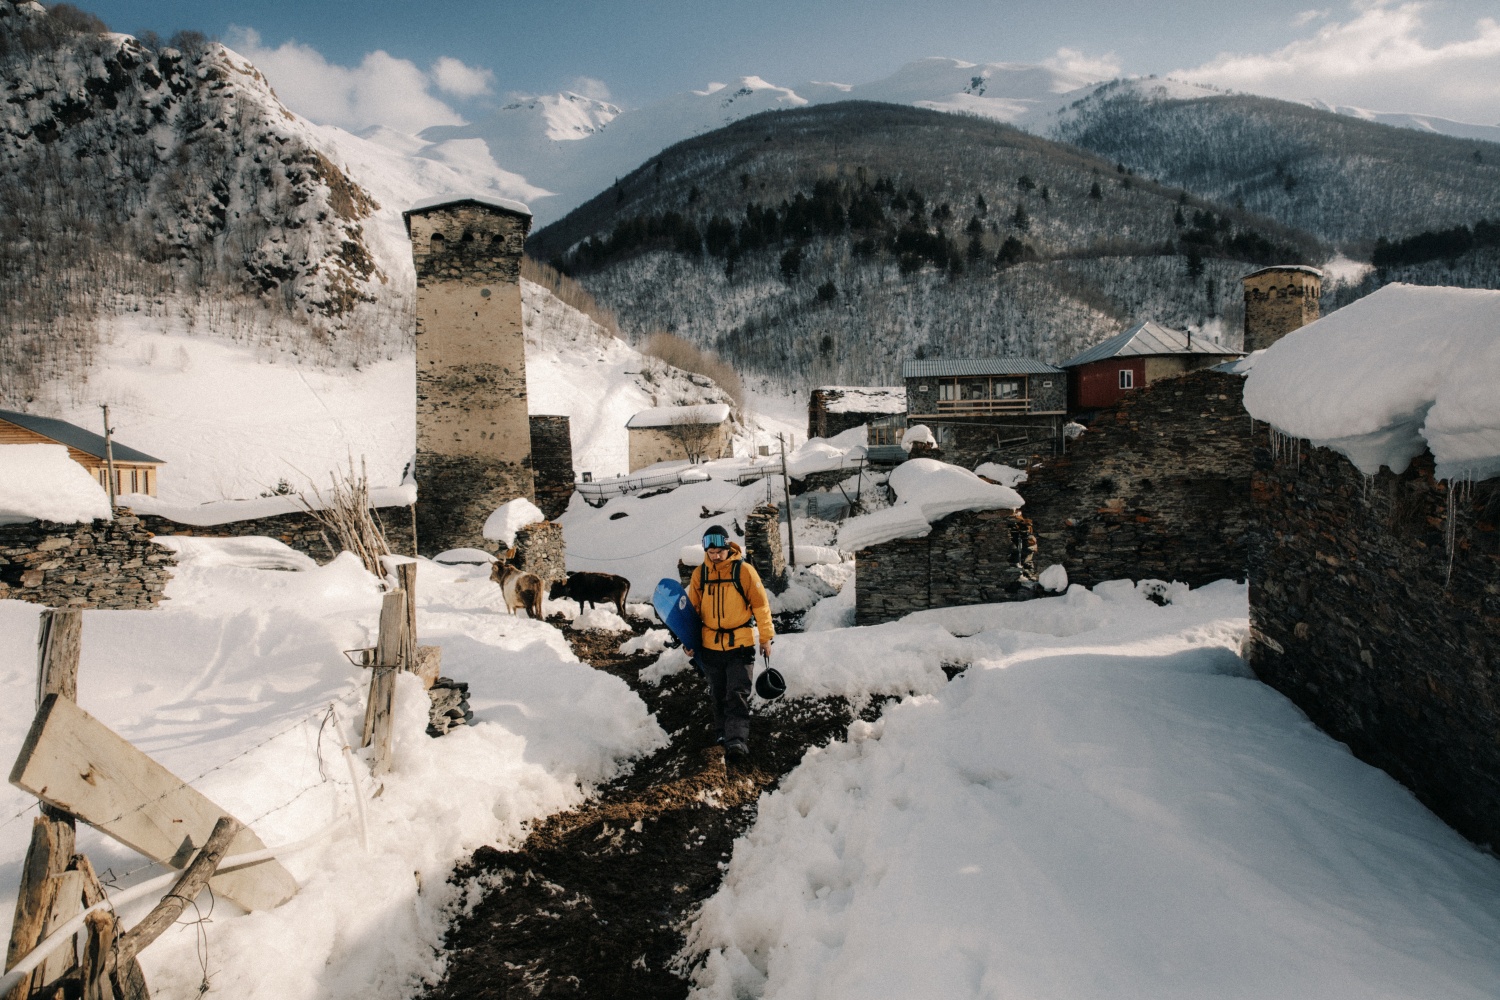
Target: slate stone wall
972	557
763	546
1361	618
1158	488
101	564
540	550
297	529
552	463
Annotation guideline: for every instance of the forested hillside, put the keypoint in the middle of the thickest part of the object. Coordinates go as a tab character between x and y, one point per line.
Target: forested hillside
829	243
142	175
1347	181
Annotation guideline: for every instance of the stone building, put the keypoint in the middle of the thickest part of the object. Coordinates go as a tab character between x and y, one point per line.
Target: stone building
1158	488
473	432
1278	300
679	434
988	409
135	471
1146	353
833	409
552	463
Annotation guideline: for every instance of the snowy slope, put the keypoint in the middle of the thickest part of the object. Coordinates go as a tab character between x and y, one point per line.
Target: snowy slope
1107	804
228	683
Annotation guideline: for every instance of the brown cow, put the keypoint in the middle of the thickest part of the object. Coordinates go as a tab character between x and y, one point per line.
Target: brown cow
520	589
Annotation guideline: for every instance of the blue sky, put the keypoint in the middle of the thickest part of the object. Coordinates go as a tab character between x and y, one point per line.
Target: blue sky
465	56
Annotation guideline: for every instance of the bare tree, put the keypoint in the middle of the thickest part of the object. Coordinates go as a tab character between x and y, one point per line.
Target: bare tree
695	436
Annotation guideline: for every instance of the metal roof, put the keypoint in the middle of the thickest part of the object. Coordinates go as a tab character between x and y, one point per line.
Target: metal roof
931	367
1285	267
1146	339
75	437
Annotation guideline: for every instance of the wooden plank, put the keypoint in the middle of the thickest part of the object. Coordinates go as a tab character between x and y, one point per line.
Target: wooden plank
391	656
59	640
183	892
74	762
407	574
47	856
131	983
67	900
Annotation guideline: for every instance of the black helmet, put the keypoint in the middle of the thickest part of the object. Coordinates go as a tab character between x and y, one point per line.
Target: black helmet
770	685
716	537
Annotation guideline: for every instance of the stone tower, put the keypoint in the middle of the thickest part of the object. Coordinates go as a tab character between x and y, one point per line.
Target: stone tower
473	435
1278	300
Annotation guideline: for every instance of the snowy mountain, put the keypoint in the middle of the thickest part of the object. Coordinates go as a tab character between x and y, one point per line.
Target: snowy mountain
1422	123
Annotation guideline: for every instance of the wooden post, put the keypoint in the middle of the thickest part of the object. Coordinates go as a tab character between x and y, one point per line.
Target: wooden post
406	574
786	483
390	648
52	833
109	458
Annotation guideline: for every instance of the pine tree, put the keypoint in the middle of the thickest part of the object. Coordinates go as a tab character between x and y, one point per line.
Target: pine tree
1021	220
1095	192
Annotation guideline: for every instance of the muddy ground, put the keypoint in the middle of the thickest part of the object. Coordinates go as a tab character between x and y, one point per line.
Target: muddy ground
596	902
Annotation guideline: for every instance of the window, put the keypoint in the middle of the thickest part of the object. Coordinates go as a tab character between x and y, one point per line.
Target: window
976	388
1008	388
1127	378
947	390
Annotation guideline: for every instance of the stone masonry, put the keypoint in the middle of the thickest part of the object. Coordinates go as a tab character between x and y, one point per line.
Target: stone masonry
552	463
972	557
298	529
1159	487
473	432
101	564
1277	301
763	546
539	550
1362	618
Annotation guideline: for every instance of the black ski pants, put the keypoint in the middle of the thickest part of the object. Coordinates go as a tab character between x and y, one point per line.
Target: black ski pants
728	673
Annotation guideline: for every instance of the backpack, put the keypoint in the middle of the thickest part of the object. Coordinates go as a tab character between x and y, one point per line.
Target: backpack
734	580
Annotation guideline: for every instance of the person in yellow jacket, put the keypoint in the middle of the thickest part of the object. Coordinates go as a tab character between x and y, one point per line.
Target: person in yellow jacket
727	594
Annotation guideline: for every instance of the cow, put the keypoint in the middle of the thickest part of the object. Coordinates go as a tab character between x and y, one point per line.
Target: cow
520	589
593	587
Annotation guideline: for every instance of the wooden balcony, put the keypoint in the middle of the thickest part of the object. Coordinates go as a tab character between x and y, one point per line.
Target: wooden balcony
982	407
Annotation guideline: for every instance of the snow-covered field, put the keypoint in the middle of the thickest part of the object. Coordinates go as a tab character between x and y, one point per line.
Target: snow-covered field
1106	804
229	684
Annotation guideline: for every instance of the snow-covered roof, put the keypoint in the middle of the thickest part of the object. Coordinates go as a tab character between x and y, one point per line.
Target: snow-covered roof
39	482
1285	267
934	367
926	491
442	200
1402	369
1146	339
669	416
203	515
863	398
75	437
509	518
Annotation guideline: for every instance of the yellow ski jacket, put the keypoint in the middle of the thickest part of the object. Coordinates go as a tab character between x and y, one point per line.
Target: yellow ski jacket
727	616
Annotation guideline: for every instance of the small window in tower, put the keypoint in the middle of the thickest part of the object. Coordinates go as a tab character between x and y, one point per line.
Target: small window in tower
437	243
1127	378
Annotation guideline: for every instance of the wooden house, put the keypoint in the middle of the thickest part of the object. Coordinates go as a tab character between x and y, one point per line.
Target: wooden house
1107	372
988	409
135	471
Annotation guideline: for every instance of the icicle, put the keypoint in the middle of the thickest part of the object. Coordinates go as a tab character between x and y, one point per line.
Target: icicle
1459	492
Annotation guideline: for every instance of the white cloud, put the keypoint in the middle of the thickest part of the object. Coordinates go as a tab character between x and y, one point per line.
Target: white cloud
453	77
381	90
1377	59
1094	67
587	86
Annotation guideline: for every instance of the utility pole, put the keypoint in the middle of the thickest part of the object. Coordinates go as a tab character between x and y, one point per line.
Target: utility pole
786	484
109	455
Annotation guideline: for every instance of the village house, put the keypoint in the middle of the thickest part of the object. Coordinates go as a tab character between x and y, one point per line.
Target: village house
988	409
1145	353
135	471
833	409
679	433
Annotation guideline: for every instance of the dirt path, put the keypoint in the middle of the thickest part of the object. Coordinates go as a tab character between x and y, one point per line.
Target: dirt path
596	902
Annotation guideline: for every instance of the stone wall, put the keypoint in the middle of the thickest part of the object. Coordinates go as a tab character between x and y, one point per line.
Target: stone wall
1361	619
1159	487
1278	300
972	557
297	529
763	546
473	431
540	550
101	564
552	463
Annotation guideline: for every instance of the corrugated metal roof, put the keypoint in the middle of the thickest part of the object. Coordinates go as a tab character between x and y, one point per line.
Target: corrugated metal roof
75	437
1145	339
933	367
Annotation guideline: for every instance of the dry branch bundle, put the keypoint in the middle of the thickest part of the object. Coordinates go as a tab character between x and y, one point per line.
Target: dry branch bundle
346	512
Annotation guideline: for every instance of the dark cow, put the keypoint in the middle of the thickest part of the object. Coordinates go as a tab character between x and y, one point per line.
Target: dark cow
588	588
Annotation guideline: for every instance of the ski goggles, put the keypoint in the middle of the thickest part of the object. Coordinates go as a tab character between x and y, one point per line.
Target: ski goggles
716	541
